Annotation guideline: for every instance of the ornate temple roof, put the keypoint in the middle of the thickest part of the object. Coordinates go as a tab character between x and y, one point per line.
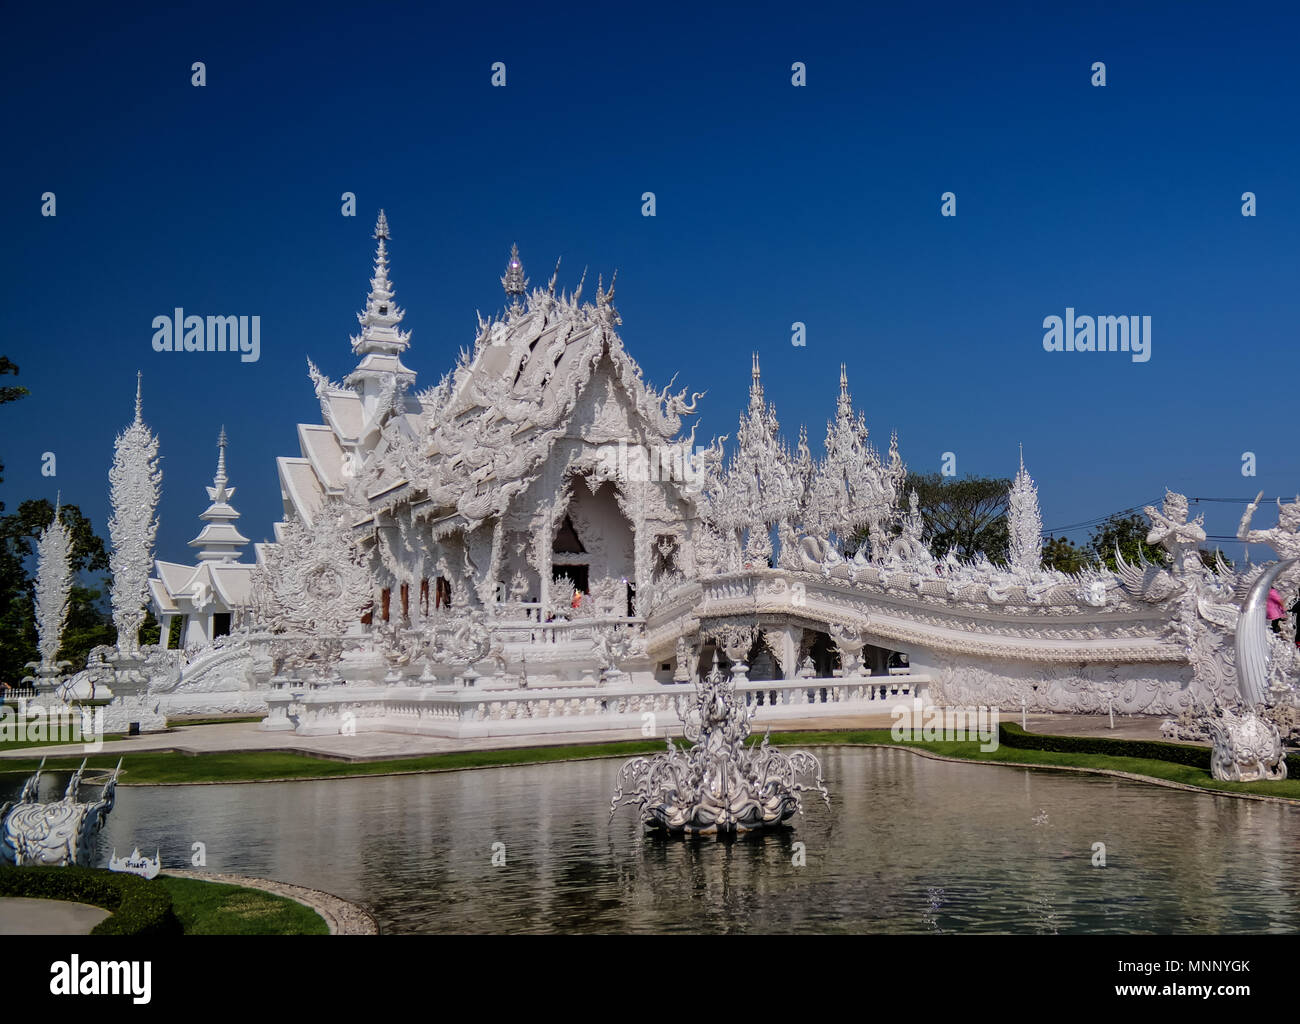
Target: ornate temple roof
464	448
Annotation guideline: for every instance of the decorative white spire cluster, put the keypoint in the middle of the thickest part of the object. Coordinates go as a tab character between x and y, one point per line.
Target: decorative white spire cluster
379	331
853	488
219	540
134	483
760	487
53	587
1024	522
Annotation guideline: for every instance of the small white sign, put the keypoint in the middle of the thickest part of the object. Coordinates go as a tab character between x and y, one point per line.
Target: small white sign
136	864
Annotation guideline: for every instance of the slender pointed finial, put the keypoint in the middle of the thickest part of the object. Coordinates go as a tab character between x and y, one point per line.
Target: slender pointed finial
220	480
514	281
1022	456
844	379
139	408
381	227
551	286
755	371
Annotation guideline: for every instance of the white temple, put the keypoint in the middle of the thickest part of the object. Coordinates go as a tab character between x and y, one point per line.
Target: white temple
536	544
212	595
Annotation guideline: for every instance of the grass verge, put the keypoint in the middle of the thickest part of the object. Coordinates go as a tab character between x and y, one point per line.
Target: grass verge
171	768
214	908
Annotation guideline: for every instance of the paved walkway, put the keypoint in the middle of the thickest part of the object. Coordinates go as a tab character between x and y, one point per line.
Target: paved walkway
368	746
22	916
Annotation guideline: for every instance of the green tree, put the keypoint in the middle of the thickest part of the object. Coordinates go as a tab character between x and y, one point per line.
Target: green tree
1128	533
964	516
1064	555
9	393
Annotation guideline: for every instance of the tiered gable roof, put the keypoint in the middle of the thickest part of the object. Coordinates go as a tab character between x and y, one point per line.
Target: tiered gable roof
464	448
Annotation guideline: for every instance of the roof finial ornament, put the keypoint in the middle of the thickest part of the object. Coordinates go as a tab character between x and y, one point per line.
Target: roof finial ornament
550	287
381	333
220	479
139	408
514	281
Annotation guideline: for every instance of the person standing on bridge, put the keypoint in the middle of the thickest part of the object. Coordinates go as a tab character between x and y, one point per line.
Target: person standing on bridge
1276	610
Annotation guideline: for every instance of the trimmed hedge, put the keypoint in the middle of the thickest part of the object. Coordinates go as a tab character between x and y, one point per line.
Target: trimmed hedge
138	906
1013	736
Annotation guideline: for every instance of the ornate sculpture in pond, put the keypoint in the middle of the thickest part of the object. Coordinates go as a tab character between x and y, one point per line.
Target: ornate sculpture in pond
1247	748
719	785
56	834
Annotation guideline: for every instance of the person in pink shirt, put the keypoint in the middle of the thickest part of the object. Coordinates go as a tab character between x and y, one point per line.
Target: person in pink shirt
1276	609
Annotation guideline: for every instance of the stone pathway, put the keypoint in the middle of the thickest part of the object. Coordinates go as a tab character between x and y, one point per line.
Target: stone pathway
342	917
20	915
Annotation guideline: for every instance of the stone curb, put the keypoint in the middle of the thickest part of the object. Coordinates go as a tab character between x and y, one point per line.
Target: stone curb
342	916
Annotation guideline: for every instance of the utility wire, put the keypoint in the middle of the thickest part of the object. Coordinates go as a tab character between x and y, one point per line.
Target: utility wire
1087	523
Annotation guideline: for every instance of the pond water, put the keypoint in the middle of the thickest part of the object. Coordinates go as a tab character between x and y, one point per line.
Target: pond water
909	845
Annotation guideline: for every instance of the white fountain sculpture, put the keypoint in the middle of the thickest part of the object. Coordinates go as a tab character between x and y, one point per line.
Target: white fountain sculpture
719	785
54	834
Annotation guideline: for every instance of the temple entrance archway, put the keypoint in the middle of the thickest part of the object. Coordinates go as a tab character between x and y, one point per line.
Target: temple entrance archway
594	547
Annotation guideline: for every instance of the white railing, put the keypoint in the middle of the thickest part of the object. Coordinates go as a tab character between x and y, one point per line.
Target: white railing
471	712
827	695
562	631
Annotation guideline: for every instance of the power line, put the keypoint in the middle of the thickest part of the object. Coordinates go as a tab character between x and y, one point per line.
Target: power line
1085	524
1100	519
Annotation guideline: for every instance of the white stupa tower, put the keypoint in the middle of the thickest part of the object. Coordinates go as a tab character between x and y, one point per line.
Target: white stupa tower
381	342
220	540
210	596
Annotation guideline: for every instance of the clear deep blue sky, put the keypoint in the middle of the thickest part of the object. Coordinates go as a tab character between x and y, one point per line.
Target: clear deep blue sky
775	204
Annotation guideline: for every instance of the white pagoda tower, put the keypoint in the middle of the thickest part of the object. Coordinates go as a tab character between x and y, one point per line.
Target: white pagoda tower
213	594
380	378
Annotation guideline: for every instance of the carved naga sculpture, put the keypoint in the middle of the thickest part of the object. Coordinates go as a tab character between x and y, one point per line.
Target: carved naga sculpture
56	834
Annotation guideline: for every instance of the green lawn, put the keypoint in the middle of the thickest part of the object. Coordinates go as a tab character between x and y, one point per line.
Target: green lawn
145	767
155	767
211	908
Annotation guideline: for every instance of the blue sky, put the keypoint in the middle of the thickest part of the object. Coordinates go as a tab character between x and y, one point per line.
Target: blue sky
775	204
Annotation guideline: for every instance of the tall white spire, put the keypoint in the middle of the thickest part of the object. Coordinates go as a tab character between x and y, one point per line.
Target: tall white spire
220	541
380	378
134	482
53	587
1024	522
379	330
